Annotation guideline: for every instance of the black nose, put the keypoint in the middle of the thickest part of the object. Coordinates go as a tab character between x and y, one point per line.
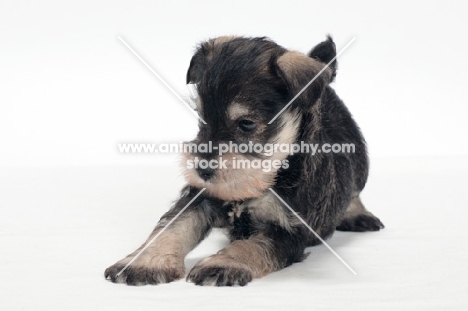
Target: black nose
205	173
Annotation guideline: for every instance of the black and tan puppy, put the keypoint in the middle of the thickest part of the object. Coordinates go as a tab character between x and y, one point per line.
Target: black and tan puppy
242	84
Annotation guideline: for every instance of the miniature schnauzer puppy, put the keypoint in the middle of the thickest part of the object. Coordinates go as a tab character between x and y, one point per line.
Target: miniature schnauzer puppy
242	84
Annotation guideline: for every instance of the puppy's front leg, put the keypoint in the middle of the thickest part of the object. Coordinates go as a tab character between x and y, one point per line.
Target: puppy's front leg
163	260
260	254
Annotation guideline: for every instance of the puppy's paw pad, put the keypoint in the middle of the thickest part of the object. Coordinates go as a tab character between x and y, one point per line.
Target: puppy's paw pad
361	223
206	274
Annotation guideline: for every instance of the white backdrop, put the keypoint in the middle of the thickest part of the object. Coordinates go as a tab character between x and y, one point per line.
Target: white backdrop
71	205
70	90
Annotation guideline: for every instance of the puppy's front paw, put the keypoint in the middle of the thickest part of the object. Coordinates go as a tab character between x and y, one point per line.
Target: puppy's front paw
146	270
220	270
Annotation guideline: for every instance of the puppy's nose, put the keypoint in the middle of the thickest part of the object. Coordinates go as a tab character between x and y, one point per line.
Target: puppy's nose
205	173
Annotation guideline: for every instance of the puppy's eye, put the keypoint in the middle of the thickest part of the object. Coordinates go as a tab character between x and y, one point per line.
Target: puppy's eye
247	125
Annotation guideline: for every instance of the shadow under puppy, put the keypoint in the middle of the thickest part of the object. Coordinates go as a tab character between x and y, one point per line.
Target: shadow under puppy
243	83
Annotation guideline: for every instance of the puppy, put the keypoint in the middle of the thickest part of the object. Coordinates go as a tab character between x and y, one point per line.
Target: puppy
242	85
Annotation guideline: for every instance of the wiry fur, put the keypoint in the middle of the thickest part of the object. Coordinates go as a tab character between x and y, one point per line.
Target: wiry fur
254	78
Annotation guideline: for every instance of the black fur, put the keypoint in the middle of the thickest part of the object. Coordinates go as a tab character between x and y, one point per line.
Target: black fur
325	52
361	223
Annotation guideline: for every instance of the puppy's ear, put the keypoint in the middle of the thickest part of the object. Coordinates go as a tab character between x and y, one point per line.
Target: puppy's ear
324	52
297	70
204	52
197	65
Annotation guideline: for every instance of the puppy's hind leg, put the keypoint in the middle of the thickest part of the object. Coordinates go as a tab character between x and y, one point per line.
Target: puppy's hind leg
358	218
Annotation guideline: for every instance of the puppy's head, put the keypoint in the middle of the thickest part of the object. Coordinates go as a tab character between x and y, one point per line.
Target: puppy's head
241	85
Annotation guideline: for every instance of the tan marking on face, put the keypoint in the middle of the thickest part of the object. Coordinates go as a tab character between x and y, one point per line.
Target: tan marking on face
231	183
237	110
236	182
290	123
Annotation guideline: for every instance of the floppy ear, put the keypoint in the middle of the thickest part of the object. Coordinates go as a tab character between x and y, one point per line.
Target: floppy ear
197	65
204	52
297	70
324	52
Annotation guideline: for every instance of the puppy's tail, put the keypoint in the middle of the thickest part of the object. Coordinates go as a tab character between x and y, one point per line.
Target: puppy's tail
324	52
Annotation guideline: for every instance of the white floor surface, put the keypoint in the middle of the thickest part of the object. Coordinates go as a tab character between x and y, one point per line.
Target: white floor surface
61	227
